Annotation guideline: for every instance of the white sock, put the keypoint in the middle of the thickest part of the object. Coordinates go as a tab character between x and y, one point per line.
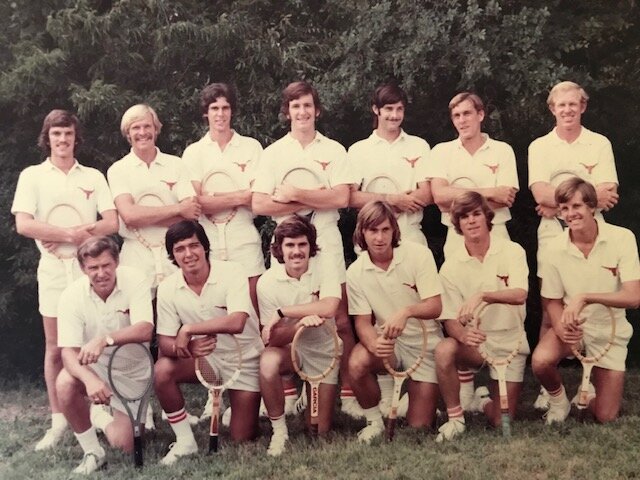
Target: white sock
100	418
279	426
180	426
58	422
373	414
89	442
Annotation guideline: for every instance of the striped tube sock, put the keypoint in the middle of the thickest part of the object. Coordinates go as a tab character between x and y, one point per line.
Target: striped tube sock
279	425
346	392
180	426
456	413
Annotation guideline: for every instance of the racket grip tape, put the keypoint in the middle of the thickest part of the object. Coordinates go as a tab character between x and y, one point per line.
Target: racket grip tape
506	425
137	451
391	429
213	443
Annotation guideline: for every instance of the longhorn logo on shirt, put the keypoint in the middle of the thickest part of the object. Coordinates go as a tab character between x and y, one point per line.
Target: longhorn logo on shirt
589	167
324	165
412	287
412	161
613	270
493	168
242	166
124	312
504	279
169	184
316	295
87	192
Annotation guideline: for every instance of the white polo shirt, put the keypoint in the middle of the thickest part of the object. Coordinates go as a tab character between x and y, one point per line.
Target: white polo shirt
83	315
277	289
411	277
504	266
226	291
324	156
240	160
404	160
43	186
589	157
613	260
166	177
494	164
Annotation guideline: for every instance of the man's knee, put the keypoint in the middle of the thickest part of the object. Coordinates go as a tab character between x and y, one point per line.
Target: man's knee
445	353
270	362
67	386
359	362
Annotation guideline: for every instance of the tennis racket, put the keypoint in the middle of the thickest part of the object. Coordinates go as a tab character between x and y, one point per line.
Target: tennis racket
308	337
399	376
500	364
219	181
152	236
305	178
65	215
464	182
130	373
588	362
382	184
211	371
556	179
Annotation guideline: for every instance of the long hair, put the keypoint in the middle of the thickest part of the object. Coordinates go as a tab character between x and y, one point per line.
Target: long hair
293	227
372	215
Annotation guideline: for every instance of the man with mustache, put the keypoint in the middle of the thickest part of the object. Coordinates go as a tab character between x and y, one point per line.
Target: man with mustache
59	180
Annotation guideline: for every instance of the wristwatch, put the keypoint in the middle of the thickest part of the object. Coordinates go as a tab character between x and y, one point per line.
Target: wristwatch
109	340
280	314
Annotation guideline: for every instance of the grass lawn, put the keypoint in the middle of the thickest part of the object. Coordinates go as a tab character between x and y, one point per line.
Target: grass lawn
567	451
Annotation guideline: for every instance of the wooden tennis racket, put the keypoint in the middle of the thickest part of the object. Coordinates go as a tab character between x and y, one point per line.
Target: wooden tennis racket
308	336
500	364
464	182
399	376
556	179
152	236
65	215
130	373
211	371
304	178
589	361
383	184
220	182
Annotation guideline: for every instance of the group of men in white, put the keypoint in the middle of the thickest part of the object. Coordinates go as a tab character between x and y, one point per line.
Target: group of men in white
207	277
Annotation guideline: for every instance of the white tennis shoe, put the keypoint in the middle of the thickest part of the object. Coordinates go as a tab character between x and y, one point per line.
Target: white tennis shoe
277	445
51	438
91	462
177	450
372	430
451	429
542	402
558	410
351	407
480	398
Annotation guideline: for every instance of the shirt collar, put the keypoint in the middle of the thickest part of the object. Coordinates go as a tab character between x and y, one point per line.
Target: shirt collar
76	165
584	137
211	279
317	139
132	158
378	139
398	256
484	146
282	275
233	141
604	235
88	290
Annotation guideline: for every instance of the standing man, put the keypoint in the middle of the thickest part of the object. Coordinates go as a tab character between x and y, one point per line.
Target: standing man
569	149
222	149
395	283
487	270
296	291
59	181
305	147
476	162
391	152
109	306
588	267
145	170
199	305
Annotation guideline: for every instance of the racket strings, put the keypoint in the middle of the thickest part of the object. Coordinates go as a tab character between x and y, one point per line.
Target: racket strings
131	371
320	344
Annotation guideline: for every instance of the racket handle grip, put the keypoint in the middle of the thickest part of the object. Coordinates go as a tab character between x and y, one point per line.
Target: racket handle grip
506	425
137	451
314	430
391	429
213	443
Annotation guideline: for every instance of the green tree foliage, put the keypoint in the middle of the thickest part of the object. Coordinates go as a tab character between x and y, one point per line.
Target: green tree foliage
98	57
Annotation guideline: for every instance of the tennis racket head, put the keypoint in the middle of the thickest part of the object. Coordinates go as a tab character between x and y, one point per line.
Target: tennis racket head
130	374
220	181
64	215
463	182
304	178
383	184
560	176
579	350
151	236
476	321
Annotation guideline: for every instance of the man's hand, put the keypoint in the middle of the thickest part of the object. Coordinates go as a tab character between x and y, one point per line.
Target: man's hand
395	326
467	309
571	313
284	193
190	209
607	197
546	212
472	337
310	321
98	391
570	334
266	330
504	195
91	351
405	202
384	347
80	233
203	346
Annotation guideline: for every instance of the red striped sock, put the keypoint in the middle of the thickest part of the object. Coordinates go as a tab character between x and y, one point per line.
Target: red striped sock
455	412
347	393
178	416
557	392
465	376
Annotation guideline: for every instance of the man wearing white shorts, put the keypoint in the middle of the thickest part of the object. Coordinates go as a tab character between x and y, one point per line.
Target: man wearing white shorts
222	149
391	152
305	147
59	181
569	149
476	162
109	306
484	270
399	285
199	306
588	267
145	170
298	290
